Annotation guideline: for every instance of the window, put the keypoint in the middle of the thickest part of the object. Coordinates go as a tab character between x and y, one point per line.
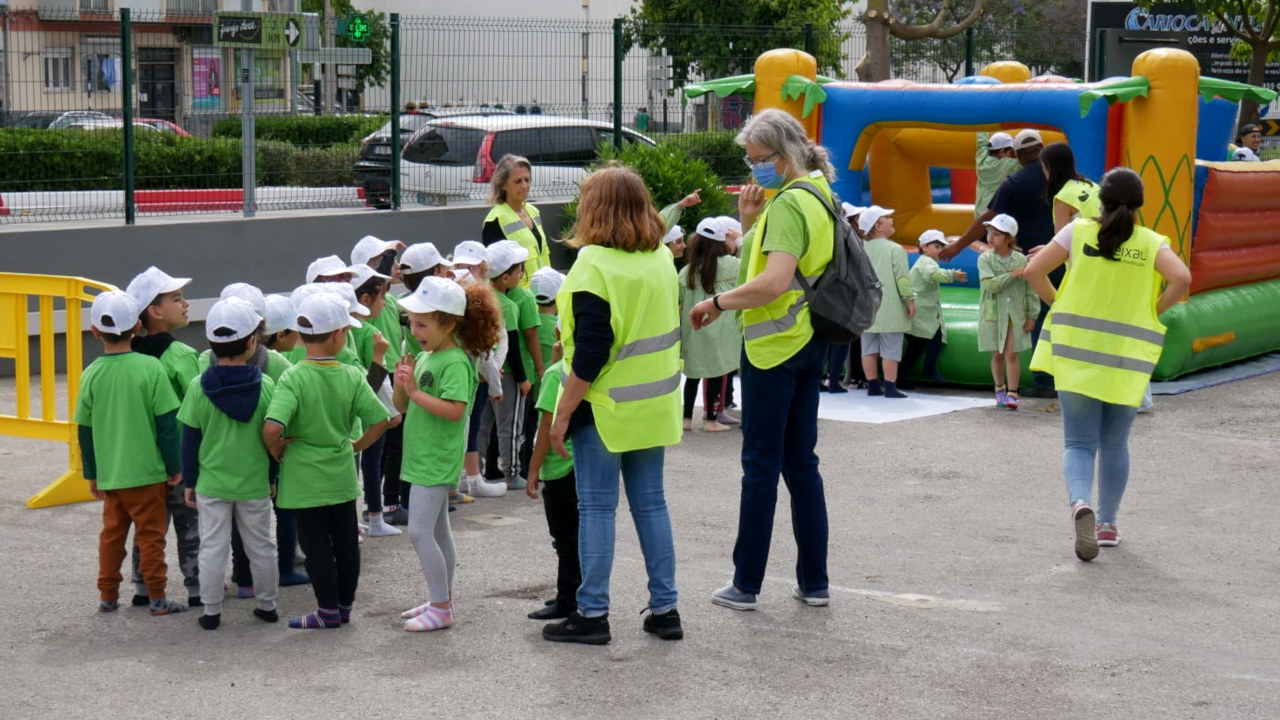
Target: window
442	145
533	143
574	146
100	67
102	6
57	68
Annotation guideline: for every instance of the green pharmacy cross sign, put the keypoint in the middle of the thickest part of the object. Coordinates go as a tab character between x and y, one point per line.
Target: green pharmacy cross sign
357	28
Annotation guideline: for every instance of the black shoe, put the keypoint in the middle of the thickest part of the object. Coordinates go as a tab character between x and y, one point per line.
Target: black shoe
578	629
554	611
266	615
194	601
1038	392
210	622
874	388
665	626
141	600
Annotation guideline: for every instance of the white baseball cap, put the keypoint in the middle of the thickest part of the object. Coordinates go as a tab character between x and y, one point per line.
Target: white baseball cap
711	228
421	256
1000	141
870	216
151	284
1027	139
230	319
504	255
469	252
324	312
114	312
851	210
463	277
545	283
1245	154
361	274
281	314
342	291
326	266
370	247
1003	223
729	223
674	234
249	294
932	236
437	294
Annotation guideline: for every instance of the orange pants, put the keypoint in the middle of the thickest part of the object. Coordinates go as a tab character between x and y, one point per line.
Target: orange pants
144	508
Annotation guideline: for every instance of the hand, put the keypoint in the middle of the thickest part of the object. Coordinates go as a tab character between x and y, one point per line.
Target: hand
750	202
525	387
1019	272
560	428
380	344
274	488
404	374
95	492
175	480
911	309
703	314
1035	251
496	399
189	497
1029	325
277	450
690	200
399	246
395	421
532	488
951	250
962	276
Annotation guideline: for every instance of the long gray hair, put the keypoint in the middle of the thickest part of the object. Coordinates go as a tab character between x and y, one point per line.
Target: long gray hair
778	131
502	173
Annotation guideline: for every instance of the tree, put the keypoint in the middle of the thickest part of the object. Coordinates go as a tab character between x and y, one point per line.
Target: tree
1257	24
882	24
695	35
378	71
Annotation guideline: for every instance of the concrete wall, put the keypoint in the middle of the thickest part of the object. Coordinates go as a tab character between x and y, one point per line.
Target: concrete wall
271	251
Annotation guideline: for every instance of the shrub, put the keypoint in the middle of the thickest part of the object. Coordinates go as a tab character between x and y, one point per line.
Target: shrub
305	130
716	148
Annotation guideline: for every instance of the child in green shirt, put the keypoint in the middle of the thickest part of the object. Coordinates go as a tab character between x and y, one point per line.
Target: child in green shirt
129	451
506	267
1007	308
375	352
162	310
435	391
559	498
270	362
316	406
545	285
928	332
226	470
883	340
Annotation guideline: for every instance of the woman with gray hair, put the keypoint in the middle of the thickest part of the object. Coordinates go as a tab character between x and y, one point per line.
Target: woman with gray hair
782	359
512	216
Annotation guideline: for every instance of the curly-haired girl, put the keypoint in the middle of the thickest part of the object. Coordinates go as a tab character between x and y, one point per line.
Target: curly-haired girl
434	390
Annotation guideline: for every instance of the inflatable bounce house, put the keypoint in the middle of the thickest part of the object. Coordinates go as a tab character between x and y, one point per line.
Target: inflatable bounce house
1165	122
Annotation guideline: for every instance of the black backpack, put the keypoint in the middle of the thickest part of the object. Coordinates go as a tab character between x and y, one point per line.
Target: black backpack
844	300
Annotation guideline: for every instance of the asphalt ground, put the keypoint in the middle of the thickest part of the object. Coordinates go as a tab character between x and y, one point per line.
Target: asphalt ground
955	594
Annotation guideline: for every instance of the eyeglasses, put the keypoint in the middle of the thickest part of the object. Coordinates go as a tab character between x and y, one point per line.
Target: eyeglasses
751	162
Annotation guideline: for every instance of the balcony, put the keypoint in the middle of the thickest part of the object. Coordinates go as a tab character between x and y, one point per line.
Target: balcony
191	8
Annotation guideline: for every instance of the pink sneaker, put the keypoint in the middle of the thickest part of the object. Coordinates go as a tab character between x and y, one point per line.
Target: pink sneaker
1108	535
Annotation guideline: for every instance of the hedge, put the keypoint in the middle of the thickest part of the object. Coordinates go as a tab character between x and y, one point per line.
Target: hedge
305	130
53	160
716	148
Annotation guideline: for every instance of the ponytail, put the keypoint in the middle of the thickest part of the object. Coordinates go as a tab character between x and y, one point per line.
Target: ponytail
1121	195
1117	225
479	329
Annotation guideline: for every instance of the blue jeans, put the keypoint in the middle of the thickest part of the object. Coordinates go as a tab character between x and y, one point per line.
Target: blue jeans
597	472
779	434
1092	428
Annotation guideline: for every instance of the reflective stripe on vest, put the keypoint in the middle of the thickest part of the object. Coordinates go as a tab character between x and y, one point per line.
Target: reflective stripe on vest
649	345
645	391
765	328
1098	357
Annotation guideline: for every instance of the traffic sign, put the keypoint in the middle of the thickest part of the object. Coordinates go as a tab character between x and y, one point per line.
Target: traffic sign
1270	127
258	30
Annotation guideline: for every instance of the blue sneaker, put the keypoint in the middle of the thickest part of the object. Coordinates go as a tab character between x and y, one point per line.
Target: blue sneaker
731	597
517	483
817	598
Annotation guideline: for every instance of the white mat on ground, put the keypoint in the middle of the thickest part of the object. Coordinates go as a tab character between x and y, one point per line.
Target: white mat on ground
855	406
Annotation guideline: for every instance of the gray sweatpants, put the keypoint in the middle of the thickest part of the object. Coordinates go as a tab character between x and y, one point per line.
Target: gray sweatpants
253	517
432	539
186	527
509	415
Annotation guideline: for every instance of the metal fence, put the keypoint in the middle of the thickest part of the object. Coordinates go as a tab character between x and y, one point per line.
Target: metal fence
463	91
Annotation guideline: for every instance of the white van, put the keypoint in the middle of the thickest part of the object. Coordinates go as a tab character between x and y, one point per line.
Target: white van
452	160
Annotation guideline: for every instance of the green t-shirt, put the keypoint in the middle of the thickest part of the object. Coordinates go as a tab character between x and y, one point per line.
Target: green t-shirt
554	467
181	362
388	323
121	396
276	363
434	447
526	317
786	229
319	403
346	356
234	464
510	321
547	334
361	343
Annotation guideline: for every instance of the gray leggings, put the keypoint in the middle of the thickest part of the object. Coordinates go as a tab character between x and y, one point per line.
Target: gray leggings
432	540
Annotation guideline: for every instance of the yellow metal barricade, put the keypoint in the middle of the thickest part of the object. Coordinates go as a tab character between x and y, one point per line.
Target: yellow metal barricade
16	294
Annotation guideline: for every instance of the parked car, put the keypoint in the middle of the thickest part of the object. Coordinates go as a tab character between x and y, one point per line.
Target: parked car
164	126
373	165
56	120
453	159
108	124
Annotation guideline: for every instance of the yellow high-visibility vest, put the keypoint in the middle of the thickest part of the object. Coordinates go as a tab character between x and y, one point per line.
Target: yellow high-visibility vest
1102	337
635	399
515	229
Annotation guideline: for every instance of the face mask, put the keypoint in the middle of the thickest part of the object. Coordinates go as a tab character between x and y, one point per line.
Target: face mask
766	175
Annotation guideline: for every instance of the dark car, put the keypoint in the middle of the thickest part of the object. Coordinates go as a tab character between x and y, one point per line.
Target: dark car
373	165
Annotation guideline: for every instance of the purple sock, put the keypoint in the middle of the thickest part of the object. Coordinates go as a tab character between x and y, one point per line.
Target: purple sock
321	619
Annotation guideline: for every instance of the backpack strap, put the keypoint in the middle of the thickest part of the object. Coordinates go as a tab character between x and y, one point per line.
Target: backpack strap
831	209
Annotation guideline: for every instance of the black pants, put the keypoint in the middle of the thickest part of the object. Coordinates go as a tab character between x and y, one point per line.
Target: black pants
560	500
286	548
328	537
837	360
713	390
916	347
530	431
394	490
728	390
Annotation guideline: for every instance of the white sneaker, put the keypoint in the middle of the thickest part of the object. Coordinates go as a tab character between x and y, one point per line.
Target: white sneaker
481	488
379	528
